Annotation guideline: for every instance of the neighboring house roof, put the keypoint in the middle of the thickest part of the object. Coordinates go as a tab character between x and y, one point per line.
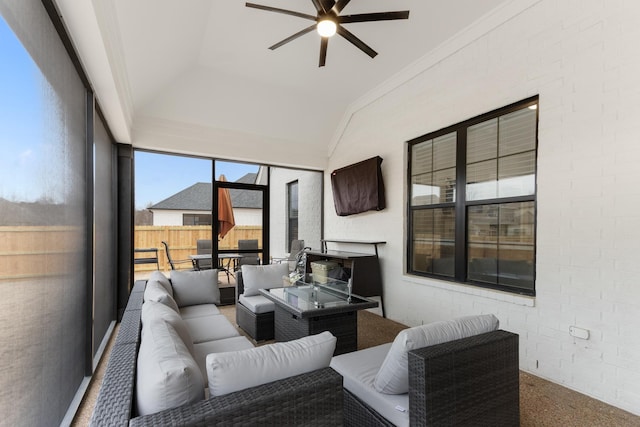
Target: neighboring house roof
198	197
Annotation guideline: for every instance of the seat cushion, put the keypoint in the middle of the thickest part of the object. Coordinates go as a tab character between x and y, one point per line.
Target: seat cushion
359	369
154	291
195	287
393	377
209	328
200	310
201	350
238	370
257	277
167	375
257	304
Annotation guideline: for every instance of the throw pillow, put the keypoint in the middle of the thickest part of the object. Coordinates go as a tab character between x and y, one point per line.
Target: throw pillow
154	291
257	277
195	287
393	376
157	312
238	370
167	375
157	276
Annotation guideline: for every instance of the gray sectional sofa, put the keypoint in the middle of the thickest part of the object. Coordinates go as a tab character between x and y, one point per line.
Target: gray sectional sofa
177	361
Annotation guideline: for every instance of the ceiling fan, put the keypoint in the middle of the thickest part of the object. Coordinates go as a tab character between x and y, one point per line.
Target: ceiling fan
328	22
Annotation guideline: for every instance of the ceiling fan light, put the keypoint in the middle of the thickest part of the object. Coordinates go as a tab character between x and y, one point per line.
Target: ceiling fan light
326	28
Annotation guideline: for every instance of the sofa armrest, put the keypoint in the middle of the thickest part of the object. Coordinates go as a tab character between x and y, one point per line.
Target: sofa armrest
472	381
312	398
239	284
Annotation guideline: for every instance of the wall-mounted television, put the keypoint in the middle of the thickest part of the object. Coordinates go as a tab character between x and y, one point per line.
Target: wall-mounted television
358	187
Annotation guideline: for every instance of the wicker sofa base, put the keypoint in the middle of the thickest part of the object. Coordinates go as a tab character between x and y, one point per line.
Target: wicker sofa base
257	326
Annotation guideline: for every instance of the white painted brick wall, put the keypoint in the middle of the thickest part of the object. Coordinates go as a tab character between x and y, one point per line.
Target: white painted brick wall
582	58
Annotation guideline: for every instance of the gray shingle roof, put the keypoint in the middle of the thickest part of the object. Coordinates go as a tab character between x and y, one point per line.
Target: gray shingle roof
198	197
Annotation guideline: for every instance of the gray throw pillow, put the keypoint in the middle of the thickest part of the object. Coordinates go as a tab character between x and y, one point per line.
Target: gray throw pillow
268	276
195	287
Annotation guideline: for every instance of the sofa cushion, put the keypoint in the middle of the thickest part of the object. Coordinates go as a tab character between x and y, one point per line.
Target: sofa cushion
153	311
154	291
167	375
198	311
257	304
195	287
257	277
359	369
210	328
393	377
201	350
157	276
238	370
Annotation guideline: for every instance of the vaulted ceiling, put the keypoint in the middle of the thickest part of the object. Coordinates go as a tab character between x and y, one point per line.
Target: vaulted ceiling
206	63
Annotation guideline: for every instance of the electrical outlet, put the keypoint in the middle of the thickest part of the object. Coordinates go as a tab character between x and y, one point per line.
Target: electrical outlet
574	331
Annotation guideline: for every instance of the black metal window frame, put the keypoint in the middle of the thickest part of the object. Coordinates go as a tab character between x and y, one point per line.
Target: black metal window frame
292	220
461	205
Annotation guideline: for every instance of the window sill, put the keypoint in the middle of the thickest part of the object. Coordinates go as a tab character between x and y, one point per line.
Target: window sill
523	300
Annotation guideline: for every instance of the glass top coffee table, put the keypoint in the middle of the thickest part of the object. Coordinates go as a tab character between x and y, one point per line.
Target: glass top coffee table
311	307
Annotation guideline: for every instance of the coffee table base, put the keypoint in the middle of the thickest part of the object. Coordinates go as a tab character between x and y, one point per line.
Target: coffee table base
344	326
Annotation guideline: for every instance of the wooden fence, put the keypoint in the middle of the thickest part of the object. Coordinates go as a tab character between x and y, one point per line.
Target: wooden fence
182	241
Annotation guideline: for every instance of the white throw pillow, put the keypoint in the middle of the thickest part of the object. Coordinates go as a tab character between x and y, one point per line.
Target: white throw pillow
157	312
238	370
156	292
393	376
167	374
195	287
157	276
257	277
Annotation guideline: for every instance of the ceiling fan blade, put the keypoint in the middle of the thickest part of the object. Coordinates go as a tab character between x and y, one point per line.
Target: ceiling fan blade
378	16
277	10
356	41
293	37
319	5
324	42
340	4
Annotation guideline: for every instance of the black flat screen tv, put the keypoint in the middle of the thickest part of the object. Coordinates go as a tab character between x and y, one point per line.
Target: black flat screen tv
358	187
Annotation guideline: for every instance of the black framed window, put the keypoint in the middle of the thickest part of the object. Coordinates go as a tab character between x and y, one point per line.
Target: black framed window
471	204
197	219
292	212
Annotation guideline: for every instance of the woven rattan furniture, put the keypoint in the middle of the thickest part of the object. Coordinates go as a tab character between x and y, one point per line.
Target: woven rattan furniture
467	382
258	326
305	309
315	398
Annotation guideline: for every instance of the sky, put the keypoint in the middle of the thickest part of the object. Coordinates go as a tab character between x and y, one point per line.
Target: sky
33	151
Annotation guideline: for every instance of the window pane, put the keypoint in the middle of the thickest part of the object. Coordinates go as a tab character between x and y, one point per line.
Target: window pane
516	175
444	152
433	241
482	226
422	157
422	190
517	132
444	184
482	180
482	141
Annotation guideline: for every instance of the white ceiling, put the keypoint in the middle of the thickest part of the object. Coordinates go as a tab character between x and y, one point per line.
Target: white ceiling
206	62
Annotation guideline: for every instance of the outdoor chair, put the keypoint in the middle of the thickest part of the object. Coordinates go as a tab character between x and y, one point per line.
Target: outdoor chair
248	258
173	263
296	246
204	248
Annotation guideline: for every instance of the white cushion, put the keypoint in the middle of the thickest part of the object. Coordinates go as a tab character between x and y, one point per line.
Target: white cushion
195	287
209	328
358	370
154	291
257	277
198	311
157	276
201	350
257	304
238	370
157	312
167	374
393	377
